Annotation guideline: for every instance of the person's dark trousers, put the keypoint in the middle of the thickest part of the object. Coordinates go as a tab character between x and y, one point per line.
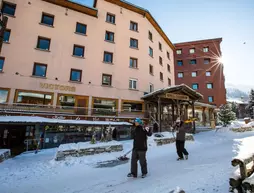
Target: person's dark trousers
180	148
141	156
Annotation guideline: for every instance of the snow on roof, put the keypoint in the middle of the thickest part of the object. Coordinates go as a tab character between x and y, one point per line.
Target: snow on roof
159	91
31	119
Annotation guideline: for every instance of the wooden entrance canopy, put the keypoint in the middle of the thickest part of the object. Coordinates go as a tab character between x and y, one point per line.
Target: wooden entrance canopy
178	97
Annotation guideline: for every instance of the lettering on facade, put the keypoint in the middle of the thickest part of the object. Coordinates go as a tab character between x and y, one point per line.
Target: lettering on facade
57	87
96	119
177	96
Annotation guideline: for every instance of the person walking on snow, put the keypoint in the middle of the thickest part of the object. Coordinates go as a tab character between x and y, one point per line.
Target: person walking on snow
139	149
181	128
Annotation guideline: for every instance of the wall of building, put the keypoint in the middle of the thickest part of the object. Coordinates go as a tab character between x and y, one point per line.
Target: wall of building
20	53
218	92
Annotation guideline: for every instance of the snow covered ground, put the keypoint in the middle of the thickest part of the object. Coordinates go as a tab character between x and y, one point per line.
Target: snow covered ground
207	170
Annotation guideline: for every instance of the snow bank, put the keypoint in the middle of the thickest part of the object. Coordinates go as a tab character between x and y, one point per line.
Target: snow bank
243	148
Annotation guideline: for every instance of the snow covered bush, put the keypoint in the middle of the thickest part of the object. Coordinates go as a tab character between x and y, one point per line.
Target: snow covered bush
226	115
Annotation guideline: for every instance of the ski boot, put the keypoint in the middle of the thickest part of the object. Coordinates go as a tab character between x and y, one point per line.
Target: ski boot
186	157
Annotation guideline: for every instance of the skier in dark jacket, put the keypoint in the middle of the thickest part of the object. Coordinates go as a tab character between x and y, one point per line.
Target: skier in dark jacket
181	128
139	149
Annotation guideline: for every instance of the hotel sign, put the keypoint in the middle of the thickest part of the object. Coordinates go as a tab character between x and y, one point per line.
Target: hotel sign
177	96
58	87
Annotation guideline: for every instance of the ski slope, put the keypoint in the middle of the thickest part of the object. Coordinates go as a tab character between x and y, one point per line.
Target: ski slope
207	170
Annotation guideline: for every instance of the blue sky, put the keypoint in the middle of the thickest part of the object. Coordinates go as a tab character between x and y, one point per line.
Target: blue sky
233	20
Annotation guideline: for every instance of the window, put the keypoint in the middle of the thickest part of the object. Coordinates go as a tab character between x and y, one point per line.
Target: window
78	51
110	18
43	43
160	60
151	87
209	85
179	63
4	96
179	51
133	84
47	19
194	74
81	28
37	98
208	73
192	50
169	82
160	46
133	26
161	75
210	99
180	74
7	34
207	61
106	79
108	57
168	67
168	55
150	36
133	43
151	69
40	70
1	64
206	49
8	8
76	75
194	61
195	86
133	63
67	101
132	107
104	106
109	36
150	51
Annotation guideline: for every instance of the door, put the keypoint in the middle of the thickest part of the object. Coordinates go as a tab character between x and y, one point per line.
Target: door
81	105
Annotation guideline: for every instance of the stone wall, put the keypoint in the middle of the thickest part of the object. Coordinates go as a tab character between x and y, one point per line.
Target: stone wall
4	154
243	129
61	155
164	141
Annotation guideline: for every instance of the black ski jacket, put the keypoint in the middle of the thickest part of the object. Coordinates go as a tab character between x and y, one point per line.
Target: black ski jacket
140	138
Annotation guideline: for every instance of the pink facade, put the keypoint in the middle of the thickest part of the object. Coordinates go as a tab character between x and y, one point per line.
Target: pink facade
20	53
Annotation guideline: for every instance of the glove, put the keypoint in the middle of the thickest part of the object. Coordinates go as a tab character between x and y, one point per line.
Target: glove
146	129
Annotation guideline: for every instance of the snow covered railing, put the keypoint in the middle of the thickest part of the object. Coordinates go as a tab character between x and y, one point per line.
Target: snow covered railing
242	178
86	148
168	138
4	154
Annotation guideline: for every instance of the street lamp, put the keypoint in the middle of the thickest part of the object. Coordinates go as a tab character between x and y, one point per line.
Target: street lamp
3	24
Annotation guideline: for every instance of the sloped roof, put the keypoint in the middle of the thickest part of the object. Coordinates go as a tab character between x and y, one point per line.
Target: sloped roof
186	89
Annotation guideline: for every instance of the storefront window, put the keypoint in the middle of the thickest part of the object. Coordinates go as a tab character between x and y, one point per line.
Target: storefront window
104	106
3	96
34	98
67	102
132	107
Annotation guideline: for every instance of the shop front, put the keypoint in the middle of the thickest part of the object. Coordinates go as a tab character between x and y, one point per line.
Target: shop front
132	109
4	95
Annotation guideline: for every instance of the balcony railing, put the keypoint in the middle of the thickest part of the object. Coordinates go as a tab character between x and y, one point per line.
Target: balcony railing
50	109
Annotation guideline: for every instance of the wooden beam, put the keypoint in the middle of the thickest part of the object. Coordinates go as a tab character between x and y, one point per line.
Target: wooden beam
159	113
193	116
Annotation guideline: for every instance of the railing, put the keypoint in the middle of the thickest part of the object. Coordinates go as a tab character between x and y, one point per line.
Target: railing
50	109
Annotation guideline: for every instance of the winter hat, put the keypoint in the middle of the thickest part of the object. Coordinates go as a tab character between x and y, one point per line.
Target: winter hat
139	121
